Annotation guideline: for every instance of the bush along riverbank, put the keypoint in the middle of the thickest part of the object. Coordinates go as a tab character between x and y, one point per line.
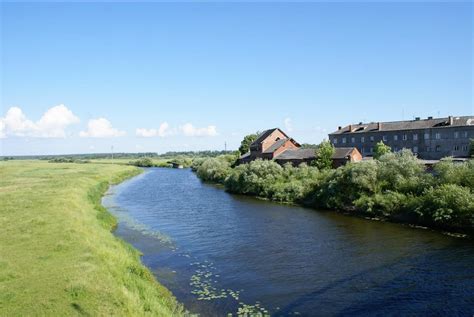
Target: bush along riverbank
396	187
59	256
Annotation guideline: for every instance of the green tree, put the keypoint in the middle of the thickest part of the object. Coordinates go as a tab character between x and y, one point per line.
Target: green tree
324	154
245	144
381	149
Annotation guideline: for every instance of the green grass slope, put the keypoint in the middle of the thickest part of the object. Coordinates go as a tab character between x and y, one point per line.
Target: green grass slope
58	256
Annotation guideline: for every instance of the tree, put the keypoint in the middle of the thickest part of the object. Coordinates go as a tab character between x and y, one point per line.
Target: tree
381	149
245	144
324	154
471	148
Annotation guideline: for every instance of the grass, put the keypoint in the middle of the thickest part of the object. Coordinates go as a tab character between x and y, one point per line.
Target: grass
58	256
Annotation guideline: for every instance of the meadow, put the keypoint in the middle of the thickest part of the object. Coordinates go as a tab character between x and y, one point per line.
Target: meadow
58	255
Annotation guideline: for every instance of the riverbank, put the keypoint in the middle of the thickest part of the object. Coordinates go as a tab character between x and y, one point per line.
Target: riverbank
59	256
395	188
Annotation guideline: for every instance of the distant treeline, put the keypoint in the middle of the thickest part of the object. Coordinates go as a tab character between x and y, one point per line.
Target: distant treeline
92	156
395	186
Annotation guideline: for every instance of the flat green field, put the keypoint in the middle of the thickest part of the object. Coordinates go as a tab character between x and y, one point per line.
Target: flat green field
58	256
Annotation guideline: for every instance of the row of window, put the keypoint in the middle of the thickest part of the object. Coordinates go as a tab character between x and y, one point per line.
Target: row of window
438	148
404	137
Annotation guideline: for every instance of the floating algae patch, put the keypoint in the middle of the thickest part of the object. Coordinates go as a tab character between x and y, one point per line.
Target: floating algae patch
205	286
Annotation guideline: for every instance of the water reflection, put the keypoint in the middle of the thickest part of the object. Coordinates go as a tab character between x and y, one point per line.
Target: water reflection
286	259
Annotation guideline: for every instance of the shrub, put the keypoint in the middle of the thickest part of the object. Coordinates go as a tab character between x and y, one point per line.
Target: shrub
449	204
449	172
214	170
142	162
381	149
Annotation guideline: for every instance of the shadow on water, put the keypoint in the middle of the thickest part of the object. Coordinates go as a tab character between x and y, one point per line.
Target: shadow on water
217	252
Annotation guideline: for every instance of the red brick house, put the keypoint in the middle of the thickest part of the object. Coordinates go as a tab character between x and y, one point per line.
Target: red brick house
274	144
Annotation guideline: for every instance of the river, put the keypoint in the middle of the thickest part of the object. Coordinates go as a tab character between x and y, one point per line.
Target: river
217	252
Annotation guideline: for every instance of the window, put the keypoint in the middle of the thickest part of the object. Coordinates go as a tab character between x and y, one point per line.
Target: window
334	141
395	137
438	136
395	149
415	149
372	138
343	140
362	139
384	138
405	137
465	134
456	135
415	137
428	149
353	140
464	147
371	149
427	136
456	148
438	148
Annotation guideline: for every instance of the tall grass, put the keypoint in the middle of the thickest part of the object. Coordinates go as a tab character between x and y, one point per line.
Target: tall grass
58	256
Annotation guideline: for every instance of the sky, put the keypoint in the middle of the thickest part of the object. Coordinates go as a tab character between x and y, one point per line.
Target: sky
154	76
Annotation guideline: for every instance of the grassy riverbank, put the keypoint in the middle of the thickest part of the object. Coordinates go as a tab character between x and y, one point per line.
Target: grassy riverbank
58	256
396	187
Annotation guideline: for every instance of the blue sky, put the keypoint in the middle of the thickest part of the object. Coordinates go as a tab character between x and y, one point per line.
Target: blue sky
81	77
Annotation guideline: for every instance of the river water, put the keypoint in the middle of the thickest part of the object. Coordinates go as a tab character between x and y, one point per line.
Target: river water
217	252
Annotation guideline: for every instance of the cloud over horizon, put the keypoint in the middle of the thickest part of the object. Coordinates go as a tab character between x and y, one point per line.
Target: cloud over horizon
190	130
52	123
100	128
162	131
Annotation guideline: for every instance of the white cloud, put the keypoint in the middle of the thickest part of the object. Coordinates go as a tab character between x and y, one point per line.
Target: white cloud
52	123
162	131
2	129
189	130
288	124
100	128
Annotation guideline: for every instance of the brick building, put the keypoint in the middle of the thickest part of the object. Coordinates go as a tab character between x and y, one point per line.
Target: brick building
430	139
274	144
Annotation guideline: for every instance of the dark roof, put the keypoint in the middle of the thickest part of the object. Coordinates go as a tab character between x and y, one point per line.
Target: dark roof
245	155
297	154
407	125
342	152
262	136
275	146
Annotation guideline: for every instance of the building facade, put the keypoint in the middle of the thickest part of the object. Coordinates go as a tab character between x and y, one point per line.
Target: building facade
274	144
429	139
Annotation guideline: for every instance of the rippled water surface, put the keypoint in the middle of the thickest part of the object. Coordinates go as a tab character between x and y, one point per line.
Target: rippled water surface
217	252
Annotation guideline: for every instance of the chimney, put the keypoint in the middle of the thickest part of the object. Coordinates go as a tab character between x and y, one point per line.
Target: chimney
350	127
450	120
417	119
430	118
379	126
339	127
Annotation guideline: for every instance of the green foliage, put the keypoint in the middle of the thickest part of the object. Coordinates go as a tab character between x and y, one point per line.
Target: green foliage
245	144
449	172
67	160
268	179
403	172
324	154
395	186
214	169
448	204
381	149
142	162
